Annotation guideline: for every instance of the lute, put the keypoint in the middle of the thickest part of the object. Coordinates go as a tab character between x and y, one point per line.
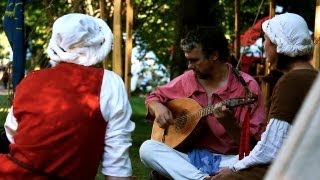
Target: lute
187	114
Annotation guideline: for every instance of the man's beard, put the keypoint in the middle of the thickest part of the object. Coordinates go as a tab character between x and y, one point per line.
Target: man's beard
202	75
199	74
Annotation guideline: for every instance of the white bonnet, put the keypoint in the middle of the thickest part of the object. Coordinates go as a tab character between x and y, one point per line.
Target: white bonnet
290	33
79	39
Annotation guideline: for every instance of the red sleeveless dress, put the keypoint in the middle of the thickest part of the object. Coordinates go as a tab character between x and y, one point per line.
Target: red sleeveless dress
60	126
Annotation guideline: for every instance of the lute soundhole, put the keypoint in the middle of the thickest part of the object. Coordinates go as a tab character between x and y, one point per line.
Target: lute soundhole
181	121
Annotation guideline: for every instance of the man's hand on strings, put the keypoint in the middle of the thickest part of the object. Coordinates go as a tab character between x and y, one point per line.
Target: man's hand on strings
221	112
226	117
162	114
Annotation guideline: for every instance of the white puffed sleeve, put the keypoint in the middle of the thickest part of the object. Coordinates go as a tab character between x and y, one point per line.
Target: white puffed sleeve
11	126
267	148
116	110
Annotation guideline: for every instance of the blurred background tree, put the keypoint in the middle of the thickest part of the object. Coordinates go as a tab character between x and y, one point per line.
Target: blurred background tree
158	25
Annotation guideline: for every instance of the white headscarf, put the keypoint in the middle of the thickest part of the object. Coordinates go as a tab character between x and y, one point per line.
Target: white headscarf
290	33
79	39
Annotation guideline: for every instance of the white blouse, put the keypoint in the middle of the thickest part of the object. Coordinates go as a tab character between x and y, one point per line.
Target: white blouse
267	148
116	110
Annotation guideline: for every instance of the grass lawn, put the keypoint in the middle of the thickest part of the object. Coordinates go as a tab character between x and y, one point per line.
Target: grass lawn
141	133
4	106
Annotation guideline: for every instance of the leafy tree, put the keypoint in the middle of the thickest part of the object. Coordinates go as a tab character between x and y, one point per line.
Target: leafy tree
154	27
158	24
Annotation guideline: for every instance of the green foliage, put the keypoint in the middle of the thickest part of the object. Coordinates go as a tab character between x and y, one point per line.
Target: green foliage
2	10
4	47
4	106
248	12
154	27
155	24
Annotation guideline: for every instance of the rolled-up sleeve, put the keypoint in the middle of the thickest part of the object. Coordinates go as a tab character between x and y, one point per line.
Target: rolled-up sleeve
181	86
116	110
162	94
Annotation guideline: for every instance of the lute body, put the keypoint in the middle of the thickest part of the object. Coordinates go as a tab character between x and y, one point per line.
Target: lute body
187	114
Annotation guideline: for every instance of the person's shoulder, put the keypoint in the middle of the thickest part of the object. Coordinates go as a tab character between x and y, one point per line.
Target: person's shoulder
235	71
188	74
32	73
300	74
111	74
248	78
252	84
184	77
246	75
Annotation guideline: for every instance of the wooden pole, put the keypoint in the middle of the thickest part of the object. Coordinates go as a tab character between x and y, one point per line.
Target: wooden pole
117	56
129	24
316	52
272	7
236	29
90	7
102	5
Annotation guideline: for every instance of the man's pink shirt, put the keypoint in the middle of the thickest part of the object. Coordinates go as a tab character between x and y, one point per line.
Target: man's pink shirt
215	138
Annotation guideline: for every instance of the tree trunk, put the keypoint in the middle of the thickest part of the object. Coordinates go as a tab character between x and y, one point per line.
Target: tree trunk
102	6
129	25
316	37
90	8
236	29
117	55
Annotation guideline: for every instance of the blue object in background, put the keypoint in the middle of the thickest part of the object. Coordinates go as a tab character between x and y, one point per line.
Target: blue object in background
13	24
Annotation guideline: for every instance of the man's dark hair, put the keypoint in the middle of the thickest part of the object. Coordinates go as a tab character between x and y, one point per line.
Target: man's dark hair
210	39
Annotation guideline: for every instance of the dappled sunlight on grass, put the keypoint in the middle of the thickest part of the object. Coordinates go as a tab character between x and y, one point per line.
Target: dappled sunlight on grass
5	104
4	109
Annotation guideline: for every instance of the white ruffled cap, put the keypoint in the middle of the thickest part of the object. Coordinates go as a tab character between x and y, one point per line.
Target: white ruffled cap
79	39
290	33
